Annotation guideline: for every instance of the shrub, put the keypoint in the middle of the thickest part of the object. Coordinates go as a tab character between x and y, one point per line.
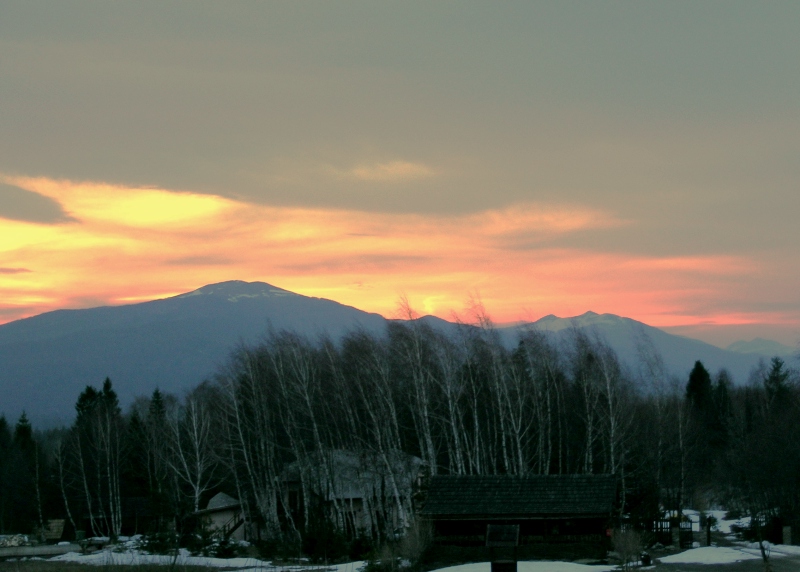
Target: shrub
384	559
416	540
159	543
628	545
733	514
278	549
323	542
198	542
361	547
225	549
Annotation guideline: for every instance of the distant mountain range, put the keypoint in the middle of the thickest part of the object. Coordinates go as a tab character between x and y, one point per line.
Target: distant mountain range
630	339
760	346
175	343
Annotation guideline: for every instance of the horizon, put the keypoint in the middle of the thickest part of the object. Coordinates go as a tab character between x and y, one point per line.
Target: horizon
454	316
542	158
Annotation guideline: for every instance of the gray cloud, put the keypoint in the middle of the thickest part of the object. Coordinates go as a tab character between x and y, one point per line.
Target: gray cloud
678	117
13	270
593	103
19	204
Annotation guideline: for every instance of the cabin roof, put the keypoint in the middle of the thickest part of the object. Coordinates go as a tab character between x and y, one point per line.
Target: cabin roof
220	502
503	496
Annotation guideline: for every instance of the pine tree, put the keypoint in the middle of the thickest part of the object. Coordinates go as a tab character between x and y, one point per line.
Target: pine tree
5	476
776	382
156	429
23	482
698	390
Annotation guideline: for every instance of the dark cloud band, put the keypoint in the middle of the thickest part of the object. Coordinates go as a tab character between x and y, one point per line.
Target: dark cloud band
21	204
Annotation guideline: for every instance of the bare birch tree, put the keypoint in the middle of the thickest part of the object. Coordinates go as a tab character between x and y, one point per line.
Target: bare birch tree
194	459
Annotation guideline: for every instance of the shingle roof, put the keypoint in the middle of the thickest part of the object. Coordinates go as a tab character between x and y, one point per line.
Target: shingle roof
222	501
531	496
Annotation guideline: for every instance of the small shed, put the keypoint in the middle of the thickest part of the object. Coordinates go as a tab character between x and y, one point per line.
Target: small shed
549	509
224	517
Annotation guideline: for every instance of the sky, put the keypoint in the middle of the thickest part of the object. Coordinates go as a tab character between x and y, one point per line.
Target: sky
635	158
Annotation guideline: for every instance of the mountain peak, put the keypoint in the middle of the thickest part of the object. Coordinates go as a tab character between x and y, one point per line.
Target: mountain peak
235	290
553	323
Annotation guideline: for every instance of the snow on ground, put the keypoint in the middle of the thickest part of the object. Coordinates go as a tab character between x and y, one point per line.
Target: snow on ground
709	555
541	566
135	557
723	525
786	549
107	557
772	549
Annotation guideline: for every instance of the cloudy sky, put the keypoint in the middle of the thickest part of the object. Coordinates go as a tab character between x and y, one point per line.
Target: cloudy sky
547	157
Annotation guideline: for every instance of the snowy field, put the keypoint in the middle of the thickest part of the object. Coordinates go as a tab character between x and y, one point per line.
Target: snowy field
710	555
106	558
129	552
136	558
541	566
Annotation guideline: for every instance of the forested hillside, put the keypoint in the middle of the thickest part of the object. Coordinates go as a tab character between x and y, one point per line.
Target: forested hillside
463	404
175	342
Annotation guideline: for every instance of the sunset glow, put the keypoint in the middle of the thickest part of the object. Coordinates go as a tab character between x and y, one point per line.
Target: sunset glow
543	157
125	245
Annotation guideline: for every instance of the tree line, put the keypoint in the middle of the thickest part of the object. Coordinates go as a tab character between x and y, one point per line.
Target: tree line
464	404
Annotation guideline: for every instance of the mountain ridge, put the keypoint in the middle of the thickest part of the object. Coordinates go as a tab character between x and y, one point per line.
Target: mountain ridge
174	343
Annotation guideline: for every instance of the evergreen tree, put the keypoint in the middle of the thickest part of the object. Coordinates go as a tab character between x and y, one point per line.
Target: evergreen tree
23	487
698	390
158	474
776	382
134	473
98	433
6	471
702	428
719	419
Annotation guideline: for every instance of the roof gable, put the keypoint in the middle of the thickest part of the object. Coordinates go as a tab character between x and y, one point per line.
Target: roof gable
222	501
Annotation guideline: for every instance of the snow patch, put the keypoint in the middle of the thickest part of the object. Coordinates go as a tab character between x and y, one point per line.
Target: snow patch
709	555
184	558
723	525
535	566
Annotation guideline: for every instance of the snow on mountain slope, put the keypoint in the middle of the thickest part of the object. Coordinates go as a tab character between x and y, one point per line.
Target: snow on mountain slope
627	336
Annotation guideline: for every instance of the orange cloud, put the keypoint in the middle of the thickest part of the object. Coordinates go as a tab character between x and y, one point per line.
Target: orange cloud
132	244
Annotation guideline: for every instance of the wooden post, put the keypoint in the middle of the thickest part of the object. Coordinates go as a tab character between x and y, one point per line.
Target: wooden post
502	541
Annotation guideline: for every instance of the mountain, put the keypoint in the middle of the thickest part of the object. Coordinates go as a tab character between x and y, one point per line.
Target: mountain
628	337
763	347
173	344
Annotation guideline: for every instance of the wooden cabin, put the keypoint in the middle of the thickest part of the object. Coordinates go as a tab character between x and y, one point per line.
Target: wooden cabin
566	514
